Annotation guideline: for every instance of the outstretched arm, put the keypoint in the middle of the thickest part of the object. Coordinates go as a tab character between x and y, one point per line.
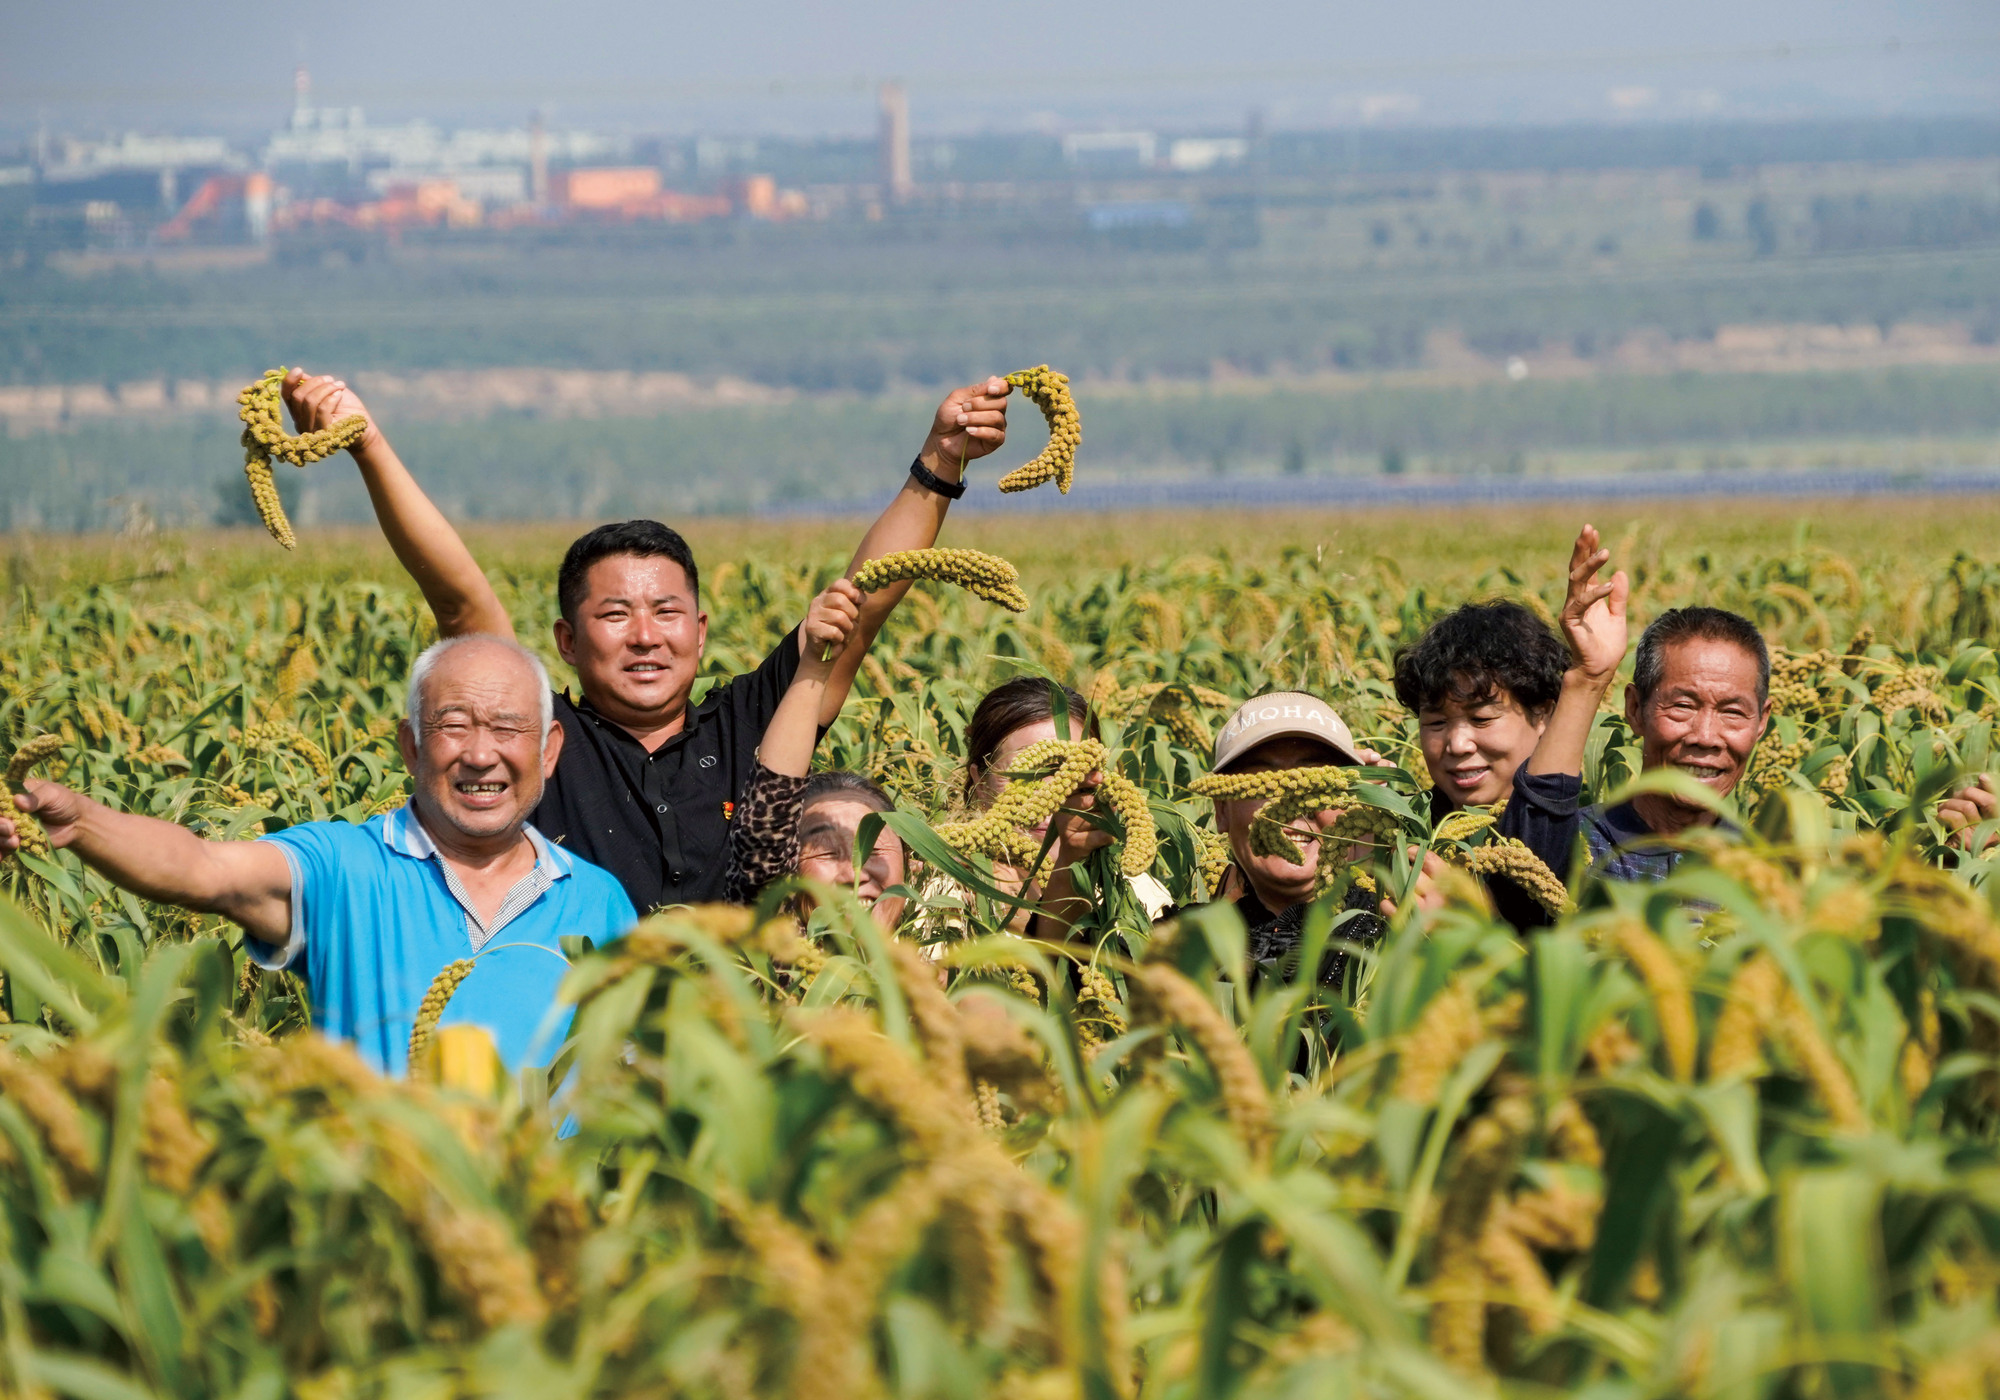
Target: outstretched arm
248	882
1593	624
793	733
426	545
970	423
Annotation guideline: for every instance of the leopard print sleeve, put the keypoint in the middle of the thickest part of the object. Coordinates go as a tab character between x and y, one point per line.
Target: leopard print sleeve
763	835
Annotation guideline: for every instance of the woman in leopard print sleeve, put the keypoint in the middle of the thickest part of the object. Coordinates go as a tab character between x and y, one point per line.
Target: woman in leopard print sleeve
790	821
788	825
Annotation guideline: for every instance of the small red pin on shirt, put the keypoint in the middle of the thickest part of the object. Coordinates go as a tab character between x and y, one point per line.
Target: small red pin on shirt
729	811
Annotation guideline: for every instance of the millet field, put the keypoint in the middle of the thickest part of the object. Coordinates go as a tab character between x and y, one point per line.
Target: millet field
1733	1135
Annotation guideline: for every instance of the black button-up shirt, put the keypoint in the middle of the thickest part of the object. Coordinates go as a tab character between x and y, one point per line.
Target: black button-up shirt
659	821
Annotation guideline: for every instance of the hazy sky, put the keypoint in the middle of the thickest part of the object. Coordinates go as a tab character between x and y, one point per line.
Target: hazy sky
675	65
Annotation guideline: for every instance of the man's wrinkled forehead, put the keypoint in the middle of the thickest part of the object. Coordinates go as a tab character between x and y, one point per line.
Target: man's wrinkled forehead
484	683
1707	667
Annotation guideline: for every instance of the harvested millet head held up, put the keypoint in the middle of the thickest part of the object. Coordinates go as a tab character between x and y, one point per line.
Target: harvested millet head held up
423	1031
1044	776
986	575
33	839
265	438
1048	390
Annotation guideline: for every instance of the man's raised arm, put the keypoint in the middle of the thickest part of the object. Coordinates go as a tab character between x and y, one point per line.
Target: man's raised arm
1593	626
247	882
970	423
427	546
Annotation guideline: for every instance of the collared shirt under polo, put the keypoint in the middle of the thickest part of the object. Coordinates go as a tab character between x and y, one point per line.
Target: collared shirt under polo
659	820
377	914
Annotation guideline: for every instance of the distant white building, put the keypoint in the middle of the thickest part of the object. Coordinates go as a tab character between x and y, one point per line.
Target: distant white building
1195	153
134	151
342	136
482	184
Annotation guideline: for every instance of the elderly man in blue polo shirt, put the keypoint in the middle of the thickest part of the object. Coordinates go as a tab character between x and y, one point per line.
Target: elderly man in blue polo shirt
374	912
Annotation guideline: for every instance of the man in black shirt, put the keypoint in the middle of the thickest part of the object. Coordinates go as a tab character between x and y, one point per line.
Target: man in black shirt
647	781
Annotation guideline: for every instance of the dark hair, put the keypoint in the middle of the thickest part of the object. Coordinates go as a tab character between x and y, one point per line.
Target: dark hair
1473	653
1696	625
1009	706
648	539
852	785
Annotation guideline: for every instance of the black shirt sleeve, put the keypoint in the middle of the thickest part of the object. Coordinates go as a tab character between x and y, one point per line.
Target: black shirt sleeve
1544	814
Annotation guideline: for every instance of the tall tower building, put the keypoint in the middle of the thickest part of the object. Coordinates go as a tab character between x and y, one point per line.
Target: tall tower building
538	162
302	85
896	181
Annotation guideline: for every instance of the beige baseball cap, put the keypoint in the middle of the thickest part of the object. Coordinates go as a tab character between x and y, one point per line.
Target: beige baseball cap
1283	714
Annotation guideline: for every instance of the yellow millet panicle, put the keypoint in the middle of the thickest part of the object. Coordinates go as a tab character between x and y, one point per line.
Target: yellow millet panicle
34	840
170	1145
1772	764
1512	858
1099	1017
35	751
1515	1275
1448	1028
1797	679
1212	856
1361	825
1914	688
1170	997
1048	390
1186	727
1142	838
1029	801
432	1007
1329	779
41	1099
1103	692
1800	1035
1769	881
481	1262
278	735
1666	983
1273	832
986	575
264	438
1458	1287
1737	1045
1462	825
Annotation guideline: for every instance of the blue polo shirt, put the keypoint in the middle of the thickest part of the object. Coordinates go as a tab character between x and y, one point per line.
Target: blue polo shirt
377	914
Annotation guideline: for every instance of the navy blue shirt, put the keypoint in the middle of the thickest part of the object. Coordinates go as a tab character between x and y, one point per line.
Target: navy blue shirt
1546	815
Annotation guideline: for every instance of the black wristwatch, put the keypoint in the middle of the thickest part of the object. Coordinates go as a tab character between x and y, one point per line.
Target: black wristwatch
931	481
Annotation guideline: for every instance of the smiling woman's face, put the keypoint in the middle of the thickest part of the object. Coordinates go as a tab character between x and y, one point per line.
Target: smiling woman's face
827	828
1473	748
